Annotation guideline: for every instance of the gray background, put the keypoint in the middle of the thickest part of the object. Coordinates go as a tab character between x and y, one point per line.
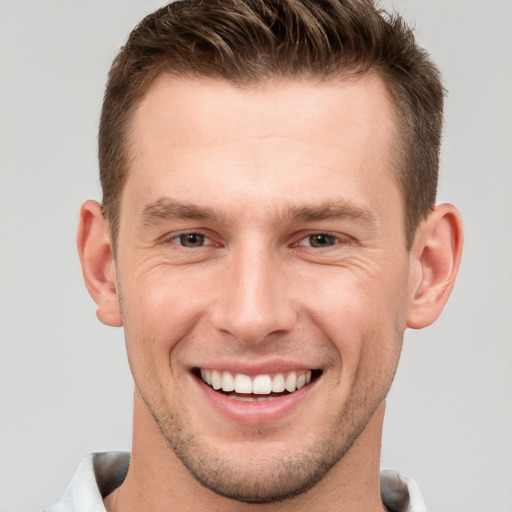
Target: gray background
65	388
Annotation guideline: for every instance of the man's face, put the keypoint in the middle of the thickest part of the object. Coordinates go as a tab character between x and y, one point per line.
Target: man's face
262	245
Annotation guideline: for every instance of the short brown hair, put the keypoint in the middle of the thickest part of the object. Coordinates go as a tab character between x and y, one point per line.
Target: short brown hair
249	41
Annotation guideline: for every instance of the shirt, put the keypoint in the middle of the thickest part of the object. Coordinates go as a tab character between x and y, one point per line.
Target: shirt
100	473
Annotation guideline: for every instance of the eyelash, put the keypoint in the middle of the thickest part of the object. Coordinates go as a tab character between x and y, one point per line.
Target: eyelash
331	239
181	237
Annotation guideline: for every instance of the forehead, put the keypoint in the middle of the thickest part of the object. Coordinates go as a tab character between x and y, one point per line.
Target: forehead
187	108
280	139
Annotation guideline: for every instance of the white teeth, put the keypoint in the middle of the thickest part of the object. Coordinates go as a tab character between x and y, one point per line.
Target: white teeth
228	382
243	383
206	375
278	383
262	385
216	380
291	382
259	385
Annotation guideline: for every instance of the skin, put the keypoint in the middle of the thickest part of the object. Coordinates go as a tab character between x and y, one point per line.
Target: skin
299	261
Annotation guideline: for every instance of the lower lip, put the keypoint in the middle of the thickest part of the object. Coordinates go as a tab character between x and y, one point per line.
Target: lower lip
258	412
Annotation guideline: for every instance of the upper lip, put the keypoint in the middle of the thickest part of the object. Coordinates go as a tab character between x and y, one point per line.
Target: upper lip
255	368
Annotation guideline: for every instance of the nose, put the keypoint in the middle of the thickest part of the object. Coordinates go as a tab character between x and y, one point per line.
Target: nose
254	299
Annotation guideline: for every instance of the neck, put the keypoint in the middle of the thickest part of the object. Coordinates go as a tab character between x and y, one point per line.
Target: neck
157	478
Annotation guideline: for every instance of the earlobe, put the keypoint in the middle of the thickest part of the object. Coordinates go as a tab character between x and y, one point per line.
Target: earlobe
436	256
98	265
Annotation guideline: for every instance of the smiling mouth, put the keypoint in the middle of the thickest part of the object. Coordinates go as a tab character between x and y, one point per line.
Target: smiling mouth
259	387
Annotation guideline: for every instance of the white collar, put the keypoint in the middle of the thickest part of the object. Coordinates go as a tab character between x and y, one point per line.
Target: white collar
100	473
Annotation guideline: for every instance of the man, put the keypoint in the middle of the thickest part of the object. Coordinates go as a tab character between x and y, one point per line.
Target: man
268	231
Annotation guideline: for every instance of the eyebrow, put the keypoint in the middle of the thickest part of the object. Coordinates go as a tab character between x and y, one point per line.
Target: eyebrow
167	209
333	210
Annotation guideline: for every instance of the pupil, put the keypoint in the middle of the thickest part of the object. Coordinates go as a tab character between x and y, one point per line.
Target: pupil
192	240
322	240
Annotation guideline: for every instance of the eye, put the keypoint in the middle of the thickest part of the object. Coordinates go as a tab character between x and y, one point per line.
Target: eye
319	240
191	240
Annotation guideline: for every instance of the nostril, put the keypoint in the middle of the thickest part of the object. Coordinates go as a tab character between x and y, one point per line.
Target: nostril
256	310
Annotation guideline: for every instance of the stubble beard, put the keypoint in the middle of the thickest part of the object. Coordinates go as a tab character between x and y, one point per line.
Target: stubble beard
282	476
272	479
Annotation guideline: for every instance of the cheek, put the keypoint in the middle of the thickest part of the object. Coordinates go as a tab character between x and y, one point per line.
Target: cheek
159	311
363	316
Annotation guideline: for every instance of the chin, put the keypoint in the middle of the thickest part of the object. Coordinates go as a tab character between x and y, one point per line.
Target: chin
258	479
259	470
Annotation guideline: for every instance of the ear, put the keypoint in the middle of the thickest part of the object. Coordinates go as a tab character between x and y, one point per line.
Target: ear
436	255
98	265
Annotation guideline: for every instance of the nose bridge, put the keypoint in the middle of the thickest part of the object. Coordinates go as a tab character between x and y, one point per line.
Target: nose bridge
253	303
